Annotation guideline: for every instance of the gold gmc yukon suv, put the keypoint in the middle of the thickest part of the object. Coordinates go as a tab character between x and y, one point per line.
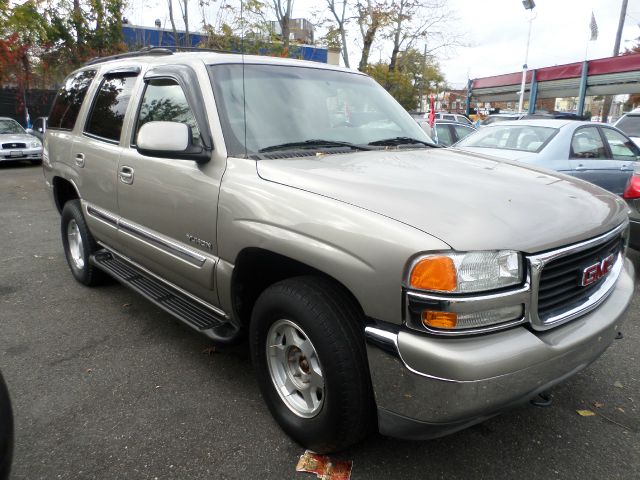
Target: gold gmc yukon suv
382	282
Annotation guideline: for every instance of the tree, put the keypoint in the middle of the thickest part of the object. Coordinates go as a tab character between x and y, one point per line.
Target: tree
283	9
372	16
339	12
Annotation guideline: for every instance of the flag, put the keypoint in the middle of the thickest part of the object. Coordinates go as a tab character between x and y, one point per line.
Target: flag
432	112
594	28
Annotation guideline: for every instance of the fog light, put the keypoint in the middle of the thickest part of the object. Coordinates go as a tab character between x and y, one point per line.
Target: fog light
471	320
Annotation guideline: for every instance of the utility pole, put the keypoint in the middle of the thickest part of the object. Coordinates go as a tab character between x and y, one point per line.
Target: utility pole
606	106
528	5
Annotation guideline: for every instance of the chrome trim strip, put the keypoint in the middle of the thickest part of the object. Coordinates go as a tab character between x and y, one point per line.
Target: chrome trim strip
578	247
178	250
102	215
213	308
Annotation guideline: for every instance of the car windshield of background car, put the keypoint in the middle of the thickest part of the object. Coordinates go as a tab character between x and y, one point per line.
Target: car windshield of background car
525	138
630	124
9	127
286	104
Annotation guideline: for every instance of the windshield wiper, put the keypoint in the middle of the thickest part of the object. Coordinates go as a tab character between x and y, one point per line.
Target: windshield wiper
314	143
401	141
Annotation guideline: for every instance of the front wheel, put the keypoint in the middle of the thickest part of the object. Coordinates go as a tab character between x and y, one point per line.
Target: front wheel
309	355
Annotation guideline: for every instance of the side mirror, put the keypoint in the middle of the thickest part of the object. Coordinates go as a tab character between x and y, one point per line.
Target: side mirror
163	137
169	140
40	130
29	131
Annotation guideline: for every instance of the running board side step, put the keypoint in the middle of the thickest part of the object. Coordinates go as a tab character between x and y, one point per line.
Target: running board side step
215	324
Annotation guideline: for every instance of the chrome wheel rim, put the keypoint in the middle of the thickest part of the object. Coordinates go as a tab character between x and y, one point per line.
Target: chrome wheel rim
295	368
76	249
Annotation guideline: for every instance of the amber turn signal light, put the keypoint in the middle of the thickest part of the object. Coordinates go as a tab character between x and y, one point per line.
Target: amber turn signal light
446	320
434	273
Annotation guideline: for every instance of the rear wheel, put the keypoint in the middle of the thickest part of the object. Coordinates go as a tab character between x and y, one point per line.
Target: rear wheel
79	245
308	350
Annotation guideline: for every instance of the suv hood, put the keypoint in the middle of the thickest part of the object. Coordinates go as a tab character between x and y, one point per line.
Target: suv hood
469	201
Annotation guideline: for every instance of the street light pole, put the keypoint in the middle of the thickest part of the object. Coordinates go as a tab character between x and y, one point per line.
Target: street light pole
528	5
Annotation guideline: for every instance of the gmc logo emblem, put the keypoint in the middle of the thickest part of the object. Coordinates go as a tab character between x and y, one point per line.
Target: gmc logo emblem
596	271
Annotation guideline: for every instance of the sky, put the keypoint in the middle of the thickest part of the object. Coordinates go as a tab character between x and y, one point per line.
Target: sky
495	32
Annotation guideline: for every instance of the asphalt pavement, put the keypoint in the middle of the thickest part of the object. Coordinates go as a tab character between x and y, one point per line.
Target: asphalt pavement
107	386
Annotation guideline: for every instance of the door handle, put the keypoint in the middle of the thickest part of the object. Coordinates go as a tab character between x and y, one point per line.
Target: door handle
624	167
80	160
126	175
581	167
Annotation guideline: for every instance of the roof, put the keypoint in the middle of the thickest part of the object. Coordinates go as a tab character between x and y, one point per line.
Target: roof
540	122
163	56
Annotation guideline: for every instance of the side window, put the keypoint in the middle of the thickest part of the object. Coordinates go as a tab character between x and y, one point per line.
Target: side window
444	135
66	106
621	147
587	143
164	101
462	132
109	107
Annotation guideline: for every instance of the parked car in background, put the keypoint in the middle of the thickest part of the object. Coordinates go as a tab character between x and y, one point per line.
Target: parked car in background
450	117
629	123
6	431
447	133
501	117
17	144
598	153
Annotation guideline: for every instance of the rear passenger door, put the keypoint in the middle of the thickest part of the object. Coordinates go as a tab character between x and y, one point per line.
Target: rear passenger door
624	153
589	158
168	206
95	153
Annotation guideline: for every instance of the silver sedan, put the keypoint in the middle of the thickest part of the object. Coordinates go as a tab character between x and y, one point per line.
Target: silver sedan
594	152
17	144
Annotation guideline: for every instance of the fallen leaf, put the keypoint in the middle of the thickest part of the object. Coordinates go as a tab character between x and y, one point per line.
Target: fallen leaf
125	305
324	467
585	413
598	404
620	409
89	370
617	384
209	351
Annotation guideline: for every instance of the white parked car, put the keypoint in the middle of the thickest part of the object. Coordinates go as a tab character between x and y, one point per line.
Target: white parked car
17	144
629	123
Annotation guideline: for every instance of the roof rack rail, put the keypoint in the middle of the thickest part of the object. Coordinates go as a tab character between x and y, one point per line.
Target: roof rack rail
199	49
139	53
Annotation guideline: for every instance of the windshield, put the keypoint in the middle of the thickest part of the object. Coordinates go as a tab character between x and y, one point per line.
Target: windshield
288	105
10	126
525	138
630	124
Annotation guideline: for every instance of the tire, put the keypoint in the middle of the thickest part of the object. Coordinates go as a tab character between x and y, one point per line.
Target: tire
309	325
79	245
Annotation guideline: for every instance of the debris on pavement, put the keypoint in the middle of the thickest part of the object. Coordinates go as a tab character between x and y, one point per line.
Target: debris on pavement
585	413
617	384
209	350
324	467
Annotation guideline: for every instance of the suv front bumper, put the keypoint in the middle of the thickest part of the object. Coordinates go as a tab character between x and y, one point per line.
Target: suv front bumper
428	386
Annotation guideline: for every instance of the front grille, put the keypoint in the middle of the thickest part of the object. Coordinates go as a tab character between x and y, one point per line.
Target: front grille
560	288
7	146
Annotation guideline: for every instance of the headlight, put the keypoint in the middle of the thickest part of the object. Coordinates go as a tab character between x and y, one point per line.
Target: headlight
466	272
35	144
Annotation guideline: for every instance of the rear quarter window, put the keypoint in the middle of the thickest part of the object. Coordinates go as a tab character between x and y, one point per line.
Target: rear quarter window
68	101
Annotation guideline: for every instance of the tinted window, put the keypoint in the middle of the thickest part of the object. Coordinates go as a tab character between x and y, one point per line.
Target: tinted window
66	106
107	114
622	148
587	143
164	101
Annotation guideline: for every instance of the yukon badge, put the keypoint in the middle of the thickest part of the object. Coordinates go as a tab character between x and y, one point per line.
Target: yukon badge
198	241
595	272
